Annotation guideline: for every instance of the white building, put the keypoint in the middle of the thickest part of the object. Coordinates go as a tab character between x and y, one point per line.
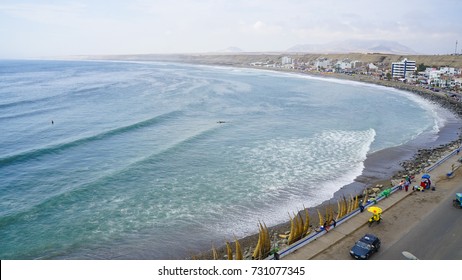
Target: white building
343	65
447	70
286	60
322	63
372	67
403	69
432	73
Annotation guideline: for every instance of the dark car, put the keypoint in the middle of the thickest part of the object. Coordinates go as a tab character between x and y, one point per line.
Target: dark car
365	247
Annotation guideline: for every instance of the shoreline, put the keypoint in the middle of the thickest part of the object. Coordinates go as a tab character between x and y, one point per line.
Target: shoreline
380	167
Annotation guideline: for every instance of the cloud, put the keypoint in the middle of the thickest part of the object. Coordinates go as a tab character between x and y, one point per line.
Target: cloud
258	25
260	28
45	13
207	25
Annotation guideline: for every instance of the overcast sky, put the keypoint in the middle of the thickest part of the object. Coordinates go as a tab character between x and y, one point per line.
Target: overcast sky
37	28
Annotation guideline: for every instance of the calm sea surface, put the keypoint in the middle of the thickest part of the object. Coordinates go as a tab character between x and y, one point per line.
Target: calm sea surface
157	161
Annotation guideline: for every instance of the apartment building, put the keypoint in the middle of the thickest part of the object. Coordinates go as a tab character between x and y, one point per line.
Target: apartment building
403	69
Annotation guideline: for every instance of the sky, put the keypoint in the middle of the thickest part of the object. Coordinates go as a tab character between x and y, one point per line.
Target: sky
43	28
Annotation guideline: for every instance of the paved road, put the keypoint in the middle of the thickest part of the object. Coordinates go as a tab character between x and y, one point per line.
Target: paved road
423	223
437	237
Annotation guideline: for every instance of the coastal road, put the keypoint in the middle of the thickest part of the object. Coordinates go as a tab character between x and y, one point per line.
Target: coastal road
423	223
437	237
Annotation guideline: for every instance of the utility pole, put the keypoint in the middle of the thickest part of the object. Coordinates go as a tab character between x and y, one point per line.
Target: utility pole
455	52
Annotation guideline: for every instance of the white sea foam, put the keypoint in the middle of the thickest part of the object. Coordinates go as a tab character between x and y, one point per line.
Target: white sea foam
301	171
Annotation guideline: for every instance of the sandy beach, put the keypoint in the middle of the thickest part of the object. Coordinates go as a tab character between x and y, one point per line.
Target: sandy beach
381	168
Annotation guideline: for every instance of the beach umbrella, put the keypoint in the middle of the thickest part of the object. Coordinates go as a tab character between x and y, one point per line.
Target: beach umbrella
375	210
426	176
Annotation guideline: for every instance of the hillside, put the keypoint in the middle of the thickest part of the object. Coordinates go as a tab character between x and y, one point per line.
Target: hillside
378	59
354	46
244	59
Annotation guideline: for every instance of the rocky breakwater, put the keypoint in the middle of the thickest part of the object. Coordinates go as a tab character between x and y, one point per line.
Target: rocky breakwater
425	158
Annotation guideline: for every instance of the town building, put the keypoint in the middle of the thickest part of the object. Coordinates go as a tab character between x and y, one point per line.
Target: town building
447	70
322	63
286	60
372	67
343	65
356	64
403	69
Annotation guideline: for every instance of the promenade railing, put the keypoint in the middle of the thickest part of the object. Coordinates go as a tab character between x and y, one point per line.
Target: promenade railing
315	235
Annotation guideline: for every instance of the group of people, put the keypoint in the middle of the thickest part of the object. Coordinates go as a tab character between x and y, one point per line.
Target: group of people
405	183
326	226
425	184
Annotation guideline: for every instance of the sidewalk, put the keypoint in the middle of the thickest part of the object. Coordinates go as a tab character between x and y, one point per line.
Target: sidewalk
323	240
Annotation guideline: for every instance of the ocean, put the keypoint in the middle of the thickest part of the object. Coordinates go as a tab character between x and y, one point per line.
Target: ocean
149	160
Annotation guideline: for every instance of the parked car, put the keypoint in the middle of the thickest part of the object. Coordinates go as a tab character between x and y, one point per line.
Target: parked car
458	201
365	247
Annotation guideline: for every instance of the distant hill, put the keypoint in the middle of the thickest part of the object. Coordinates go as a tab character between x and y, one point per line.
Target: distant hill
355	46
244	59
231	50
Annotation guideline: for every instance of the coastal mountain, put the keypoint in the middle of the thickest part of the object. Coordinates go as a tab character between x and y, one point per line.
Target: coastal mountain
231	50
355	46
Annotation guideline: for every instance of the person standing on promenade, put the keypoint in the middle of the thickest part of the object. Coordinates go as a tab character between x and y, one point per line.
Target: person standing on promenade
325	226
408	179
401	184
361	206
